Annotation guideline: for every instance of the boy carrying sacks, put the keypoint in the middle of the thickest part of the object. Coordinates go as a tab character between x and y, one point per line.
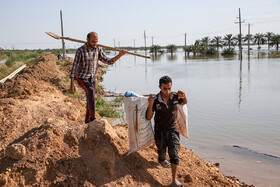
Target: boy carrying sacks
164	104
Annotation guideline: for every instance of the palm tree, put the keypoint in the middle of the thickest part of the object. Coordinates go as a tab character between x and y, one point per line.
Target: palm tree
195	49
187	49
246	38
236	39
197	43
259	39
171	48
228	40
205	41
275	40
217	42
268	37
204	44
155	49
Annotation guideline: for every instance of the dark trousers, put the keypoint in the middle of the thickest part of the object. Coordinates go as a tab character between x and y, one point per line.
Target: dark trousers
89	86
168	139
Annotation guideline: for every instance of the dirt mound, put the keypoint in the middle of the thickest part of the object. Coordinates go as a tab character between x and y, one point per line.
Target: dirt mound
28	82
44	142
35	97
95	155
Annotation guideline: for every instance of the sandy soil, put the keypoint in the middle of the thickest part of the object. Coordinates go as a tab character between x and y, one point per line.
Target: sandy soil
44	142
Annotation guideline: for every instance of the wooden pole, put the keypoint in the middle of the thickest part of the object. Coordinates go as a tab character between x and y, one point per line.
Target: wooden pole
145	43
99	45
249	38
63	44
185	40
240	46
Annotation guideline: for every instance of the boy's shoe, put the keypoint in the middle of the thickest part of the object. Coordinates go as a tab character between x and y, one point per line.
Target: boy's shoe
165	164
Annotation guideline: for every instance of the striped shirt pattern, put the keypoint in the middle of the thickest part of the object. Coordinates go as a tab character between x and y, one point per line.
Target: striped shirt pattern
86	62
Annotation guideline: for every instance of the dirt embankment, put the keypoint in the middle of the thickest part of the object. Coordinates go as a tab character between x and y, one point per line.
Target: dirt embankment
44	142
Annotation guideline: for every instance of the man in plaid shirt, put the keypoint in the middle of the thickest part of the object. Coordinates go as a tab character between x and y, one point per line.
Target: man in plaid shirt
85	67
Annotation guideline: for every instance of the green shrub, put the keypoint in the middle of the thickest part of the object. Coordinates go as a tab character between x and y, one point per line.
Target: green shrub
20	56
228	51
105	109
10	61
211	51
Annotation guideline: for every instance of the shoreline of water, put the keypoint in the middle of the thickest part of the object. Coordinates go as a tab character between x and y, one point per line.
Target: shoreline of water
230	104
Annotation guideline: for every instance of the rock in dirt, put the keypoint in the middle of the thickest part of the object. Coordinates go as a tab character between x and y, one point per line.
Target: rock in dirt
15	151
3	179
188	178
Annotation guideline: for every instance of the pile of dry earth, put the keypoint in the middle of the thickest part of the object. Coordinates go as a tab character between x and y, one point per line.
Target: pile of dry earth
44	142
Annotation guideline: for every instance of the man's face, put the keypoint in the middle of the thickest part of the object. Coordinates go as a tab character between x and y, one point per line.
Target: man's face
165	89
92	41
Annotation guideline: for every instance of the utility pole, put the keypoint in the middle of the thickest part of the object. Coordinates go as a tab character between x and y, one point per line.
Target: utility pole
185	48
134	44
185	40
240	45
239	38
145	42
152	40
63	44
185	45
249	39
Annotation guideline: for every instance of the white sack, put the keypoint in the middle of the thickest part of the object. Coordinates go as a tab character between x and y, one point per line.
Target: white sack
182	120
140	130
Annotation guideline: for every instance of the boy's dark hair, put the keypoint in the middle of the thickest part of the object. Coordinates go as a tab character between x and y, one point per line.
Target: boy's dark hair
165	80
88	35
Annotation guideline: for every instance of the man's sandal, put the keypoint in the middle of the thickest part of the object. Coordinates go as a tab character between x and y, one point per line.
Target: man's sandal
176	184
165	164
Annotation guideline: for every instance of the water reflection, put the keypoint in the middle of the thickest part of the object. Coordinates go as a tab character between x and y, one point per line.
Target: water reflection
230	57
241	82
249	74
146	73
186	56
156	57
240	85
214	57
172	57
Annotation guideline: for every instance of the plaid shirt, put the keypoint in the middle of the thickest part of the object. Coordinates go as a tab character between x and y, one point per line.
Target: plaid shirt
86	62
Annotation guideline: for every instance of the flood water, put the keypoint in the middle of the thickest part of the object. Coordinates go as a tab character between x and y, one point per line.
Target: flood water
234	107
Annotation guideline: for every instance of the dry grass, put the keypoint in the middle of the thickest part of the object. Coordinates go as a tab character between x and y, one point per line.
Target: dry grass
5	70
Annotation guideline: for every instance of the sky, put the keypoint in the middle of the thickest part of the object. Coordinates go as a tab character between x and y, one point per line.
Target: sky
24	22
